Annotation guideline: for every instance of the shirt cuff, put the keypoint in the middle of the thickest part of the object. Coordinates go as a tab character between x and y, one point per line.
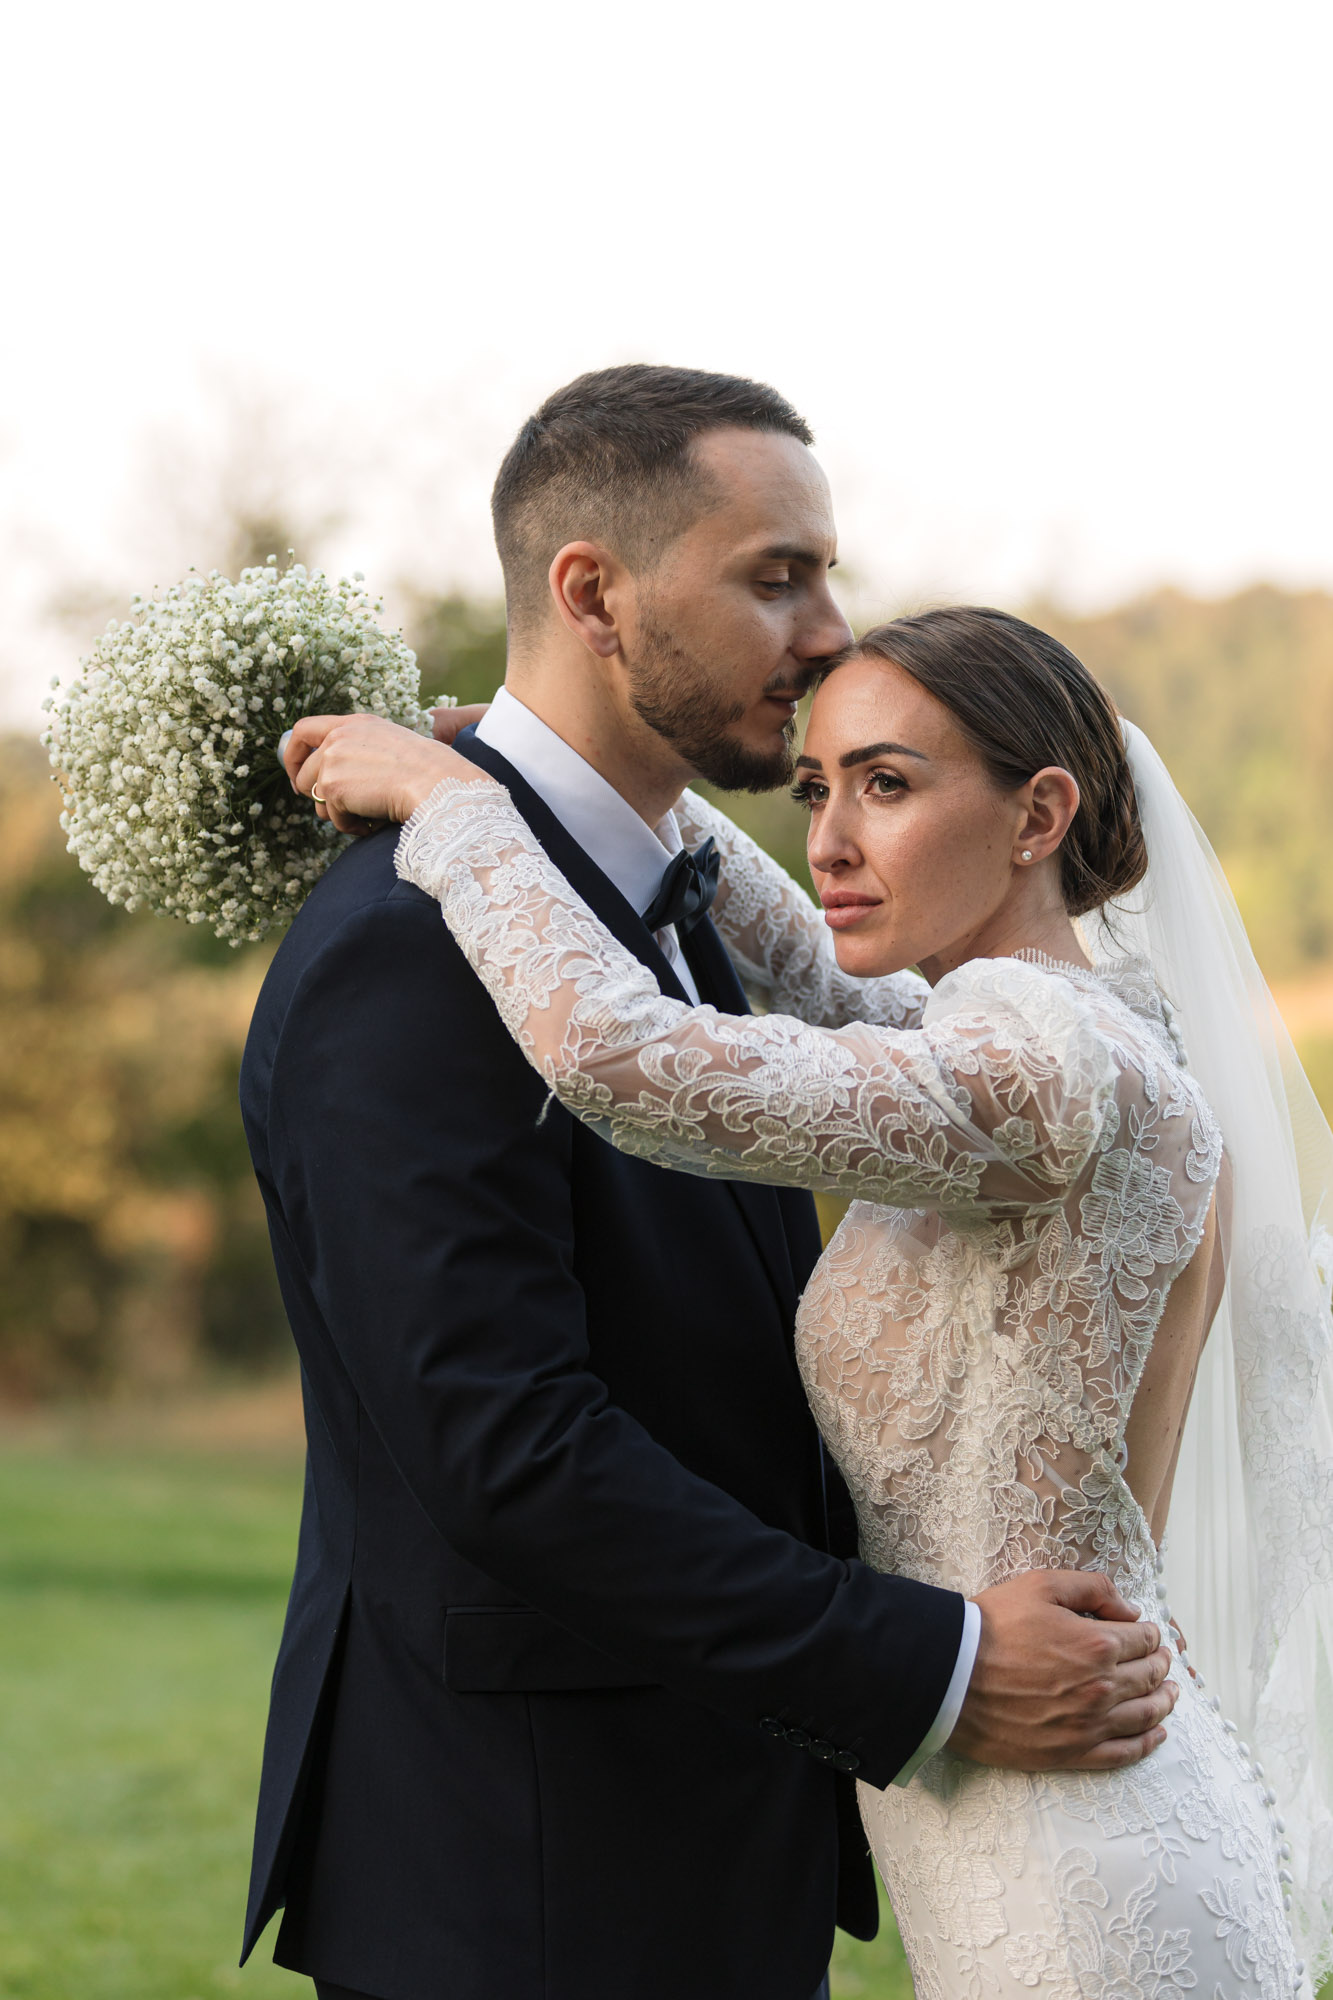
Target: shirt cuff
954	1695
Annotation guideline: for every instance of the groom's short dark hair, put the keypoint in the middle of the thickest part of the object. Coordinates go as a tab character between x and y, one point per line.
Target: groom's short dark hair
607	458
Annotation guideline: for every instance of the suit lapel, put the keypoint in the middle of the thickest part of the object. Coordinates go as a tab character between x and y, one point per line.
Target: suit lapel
714	975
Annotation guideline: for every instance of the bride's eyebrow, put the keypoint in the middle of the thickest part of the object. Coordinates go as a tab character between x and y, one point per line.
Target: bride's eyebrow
854	757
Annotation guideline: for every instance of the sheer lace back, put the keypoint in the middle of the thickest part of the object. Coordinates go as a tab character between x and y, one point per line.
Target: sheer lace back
1166	1388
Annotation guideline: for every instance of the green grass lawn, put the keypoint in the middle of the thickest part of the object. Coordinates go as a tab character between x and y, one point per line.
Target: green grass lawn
141	1597
140	1605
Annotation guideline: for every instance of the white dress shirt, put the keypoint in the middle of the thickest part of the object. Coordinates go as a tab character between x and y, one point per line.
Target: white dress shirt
635	856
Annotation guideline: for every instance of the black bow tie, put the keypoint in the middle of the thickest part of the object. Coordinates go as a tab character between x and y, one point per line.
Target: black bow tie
687	890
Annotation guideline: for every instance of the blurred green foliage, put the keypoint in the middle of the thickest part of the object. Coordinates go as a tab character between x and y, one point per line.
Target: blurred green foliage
1237	694
133	1248
460	647
133	1252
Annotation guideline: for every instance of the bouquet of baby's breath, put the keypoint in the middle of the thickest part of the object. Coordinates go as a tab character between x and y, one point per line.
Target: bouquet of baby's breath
166	744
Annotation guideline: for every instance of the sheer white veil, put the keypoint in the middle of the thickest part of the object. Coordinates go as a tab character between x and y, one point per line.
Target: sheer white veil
1249	1555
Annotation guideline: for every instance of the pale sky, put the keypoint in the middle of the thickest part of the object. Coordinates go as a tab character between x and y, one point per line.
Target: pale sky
1051	282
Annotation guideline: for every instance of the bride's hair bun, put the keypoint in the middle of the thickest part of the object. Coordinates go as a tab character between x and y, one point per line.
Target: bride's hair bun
1026	701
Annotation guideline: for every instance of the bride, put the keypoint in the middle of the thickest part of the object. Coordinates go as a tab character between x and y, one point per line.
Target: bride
1085	1190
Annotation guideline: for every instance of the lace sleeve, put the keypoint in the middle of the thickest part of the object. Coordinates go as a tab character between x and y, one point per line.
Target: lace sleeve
999	1101
780	943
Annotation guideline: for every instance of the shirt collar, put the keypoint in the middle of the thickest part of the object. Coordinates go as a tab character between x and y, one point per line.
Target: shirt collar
604	824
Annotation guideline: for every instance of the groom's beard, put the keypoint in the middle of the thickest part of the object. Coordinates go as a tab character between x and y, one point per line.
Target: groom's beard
673	691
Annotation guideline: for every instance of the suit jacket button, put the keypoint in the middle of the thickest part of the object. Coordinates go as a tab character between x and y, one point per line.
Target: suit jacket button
800	1737
771	1726
824	1751
845	1760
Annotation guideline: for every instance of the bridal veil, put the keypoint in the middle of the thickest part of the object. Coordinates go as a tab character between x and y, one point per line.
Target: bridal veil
1249	1557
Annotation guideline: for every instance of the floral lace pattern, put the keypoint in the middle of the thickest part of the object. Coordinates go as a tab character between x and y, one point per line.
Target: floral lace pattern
1033	1168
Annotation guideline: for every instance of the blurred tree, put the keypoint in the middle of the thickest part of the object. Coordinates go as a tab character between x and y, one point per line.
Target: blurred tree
459	644
1237	694
132	1240
133	1247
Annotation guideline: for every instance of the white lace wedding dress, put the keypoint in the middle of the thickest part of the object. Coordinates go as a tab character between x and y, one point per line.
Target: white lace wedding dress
1031	1168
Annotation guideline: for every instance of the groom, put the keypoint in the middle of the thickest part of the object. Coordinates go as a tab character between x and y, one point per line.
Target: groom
579	1666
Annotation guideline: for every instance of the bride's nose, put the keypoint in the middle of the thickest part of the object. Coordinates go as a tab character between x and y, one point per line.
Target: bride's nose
830	843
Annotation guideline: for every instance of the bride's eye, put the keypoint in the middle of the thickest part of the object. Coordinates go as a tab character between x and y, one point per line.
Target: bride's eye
884	784
809	792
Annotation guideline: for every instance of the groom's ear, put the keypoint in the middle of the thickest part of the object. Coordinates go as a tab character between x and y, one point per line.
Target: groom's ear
586	581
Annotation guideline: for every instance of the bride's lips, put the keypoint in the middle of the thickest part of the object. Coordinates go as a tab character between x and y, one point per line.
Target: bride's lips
843	908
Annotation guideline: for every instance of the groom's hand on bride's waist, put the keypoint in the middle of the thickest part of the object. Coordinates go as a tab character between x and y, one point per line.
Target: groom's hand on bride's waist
1067	1677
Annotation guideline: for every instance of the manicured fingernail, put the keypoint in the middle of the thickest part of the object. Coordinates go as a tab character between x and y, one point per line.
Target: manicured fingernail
283	741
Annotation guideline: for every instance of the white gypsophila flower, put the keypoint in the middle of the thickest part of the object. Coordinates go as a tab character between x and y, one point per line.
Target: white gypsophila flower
166	744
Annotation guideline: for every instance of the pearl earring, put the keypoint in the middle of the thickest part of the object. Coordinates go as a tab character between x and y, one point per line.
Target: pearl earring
1027	854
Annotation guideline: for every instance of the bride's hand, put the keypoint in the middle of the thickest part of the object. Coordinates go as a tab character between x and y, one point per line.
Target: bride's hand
366	769
449	722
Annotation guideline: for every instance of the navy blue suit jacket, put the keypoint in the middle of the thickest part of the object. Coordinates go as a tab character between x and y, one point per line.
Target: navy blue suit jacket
574	1673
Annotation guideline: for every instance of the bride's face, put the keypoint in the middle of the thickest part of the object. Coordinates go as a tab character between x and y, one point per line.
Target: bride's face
912	845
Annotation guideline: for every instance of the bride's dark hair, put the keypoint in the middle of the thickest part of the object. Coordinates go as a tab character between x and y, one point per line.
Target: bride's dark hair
1025	701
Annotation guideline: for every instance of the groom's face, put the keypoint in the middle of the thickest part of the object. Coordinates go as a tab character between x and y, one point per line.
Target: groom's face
732	623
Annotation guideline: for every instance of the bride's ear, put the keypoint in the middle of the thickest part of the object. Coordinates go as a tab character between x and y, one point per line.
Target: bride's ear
583	578
1047	805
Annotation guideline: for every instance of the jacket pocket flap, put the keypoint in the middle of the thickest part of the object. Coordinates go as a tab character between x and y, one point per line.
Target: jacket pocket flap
491	1649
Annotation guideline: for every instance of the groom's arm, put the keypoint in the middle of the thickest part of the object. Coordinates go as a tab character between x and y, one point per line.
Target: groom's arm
431	1208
